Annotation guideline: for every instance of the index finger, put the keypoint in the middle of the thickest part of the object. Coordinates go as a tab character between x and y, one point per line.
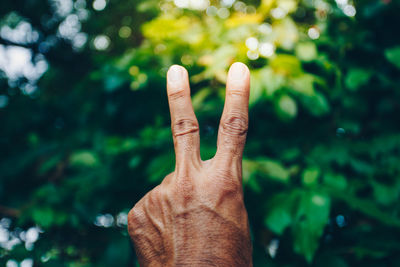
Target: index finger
234	121
184	125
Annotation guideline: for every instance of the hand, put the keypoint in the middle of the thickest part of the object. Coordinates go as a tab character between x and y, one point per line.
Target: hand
196	216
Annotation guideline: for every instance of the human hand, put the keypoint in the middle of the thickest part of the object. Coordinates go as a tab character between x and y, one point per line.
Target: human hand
196	216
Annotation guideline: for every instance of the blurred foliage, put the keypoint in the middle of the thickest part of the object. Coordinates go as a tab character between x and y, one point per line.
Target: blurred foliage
83	143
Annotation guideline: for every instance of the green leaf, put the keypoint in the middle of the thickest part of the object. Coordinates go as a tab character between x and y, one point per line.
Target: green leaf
43	216
393	55
274	170
286	64
159	167
166	27
84	159
280	214
311	218
270	81
336	181
49	164
310	176
254	185
317	104
257	86
134	161
385	194
286	107
356	78
306	51
279	219
249	169
303	84
115	145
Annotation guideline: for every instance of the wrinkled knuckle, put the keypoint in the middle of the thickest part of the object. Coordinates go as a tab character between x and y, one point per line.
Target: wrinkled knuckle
136	218
238	91
176	94
184	126
235	124
156	195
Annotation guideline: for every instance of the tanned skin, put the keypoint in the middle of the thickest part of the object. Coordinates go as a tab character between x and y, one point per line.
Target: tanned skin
196	216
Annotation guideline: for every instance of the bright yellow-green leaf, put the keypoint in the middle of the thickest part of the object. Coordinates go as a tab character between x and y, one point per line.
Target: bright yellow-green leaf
288	5
240	19
286	64
166	27
257	86
266	5
303	84
286	33
265	81
217	63
306	51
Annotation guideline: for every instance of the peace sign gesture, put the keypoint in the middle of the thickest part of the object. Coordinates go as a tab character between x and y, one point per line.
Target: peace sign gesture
196	216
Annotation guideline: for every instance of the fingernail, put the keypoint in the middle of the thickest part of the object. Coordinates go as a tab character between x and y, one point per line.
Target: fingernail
174	73
237	71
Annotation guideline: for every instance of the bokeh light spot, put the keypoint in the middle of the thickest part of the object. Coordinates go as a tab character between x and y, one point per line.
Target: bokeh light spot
265	28
26	263
211	11
99	5
223	13
125	32
266	49
340	221
278	13
12	263
252	43
340	132
101	42
239	6
134	70
253	55
313	33
272	248
349	10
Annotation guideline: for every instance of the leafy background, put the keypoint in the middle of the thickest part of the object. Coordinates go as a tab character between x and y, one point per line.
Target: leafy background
85	123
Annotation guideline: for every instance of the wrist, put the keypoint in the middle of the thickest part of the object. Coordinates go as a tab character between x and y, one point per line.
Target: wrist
233	250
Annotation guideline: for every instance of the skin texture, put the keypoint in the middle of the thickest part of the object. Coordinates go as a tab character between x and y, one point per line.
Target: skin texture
196	216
